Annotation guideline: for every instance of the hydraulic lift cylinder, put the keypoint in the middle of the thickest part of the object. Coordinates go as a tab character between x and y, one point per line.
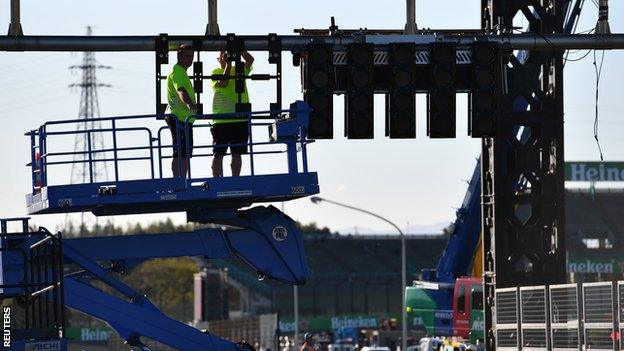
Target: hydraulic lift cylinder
213	25
15	27
410	17
602	27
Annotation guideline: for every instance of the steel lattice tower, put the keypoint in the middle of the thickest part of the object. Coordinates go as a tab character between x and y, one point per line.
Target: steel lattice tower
89	109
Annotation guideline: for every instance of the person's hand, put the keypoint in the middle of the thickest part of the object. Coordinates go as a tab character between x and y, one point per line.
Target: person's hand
223	57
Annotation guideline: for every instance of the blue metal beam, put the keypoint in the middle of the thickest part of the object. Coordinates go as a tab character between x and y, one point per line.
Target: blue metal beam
272	246
140	320
209	243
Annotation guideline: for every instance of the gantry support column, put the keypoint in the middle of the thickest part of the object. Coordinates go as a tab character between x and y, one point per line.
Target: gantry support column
522	172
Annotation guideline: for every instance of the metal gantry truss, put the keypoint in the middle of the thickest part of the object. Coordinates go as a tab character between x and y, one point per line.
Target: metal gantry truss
522	177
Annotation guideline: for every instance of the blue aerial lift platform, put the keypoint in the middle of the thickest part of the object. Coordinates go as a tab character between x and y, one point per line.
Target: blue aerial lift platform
45	272
156	192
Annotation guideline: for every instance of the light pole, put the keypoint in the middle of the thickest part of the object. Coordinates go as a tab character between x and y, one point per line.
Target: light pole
296	315
295	308
317	199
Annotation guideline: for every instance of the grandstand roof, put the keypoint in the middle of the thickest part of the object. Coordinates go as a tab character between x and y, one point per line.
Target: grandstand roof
369	257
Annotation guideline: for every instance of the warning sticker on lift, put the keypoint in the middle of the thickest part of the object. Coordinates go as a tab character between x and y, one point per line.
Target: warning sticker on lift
64	202
236	193
53	345
297	190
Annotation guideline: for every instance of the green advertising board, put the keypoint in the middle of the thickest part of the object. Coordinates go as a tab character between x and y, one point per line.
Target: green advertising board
581	171
88	334
477	326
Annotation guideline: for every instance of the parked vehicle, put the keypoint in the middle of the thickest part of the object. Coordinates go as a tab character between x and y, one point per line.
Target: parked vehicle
339	347
375	348
463	319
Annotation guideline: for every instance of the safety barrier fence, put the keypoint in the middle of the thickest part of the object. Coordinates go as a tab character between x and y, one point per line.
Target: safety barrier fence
561	317
565	312
138	138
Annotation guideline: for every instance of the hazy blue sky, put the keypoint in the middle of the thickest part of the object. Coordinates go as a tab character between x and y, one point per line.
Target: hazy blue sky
414	181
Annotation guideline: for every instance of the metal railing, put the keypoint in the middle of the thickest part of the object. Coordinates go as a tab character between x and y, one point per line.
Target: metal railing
153	143
562	317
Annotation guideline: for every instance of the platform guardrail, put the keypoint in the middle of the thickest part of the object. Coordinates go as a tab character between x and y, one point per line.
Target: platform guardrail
139	138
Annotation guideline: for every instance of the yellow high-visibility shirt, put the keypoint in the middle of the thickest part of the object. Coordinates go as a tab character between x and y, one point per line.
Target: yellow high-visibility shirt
175	80
225	98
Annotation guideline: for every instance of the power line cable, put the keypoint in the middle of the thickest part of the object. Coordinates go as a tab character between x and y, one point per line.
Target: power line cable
32	64
26	100
32	83
578	59
598	69
39	103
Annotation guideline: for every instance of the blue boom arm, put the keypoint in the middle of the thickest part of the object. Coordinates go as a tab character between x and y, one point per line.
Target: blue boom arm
273	248
457	257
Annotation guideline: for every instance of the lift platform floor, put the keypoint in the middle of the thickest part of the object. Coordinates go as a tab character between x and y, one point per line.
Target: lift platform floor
171	194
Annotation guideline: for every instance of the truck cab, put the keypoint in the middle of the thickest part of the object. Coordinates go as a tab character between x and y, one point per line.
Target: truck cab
467	306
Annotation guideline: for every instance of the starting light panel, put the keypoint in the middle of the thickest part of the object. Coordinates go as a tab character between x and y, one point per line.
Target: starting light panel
319	79
441	97
401	114
399	71
484	94
359	97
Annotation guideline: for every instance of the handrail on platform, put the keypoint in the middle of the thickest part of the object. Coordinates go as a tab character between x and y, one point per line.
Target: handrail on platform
288	127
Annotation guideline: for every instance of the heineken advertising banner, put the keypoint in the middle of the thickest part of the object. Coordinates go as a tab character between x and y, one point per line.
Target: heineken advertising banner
326	323
593	266
595	261
594	171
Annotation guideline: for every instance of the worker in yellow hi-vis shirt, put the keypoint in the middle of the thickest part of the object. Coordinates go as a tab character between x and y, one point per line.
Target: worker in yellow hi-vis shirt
229	132
181	100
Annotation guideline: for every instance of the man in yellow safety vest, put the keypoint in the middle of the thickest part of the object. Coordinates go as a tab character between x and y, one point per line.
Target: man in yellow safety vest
232	133
181	100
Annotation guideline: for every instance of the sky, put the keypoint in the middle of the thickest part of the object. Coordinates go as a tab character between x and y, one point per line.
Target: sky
418	184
